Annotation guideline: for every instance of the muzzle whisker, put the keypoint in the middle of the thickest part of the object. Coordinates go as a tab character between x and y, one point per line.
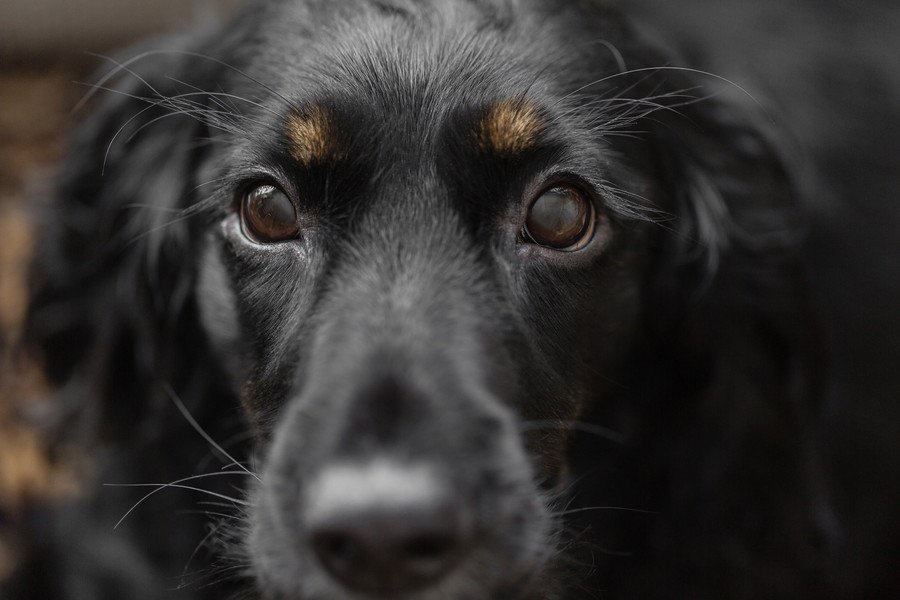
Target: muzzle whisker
193	422
176	485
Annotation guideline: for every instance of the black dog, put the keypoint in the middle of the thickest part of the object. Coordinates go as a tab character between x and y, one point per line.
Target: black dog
510	309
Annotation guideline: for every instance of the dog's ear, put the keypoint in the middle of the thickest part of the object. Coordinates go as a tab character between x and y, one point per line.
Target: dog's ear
111	302
731	338
729	280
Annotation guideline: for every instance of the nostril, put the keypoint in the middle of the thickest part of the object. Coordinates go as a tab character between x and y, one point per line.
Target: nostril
429	548
338	550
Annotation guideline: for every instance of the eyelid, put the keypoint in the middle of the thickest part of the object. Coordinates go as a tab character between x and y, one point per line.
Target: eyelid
547	180
248	176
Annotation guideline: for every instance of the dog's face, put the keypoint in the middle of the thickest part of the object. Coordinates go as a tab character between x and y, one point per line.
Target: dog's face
424	268
429	241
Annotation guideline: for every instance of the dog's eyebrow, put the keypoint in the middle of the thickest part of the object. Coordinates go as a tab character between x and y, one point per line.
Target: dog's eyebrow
311	135
509	127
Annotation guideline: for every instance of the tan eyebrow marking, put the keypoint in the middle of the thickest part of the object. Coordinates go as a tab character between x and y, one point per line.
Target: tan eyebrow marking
509	127
312	136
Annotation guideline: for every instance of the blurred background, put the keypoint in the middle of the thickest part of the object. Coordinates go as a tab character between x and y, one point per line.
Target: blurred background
829	71
61	26
46	48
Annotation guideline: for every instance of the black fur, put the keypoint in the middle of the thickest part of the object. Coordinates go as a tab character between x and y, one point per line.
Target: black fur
634	420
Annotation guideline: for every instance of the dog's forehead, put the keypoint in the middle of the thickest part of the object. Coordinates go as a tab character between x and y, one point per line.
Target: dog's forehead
406	73
422	58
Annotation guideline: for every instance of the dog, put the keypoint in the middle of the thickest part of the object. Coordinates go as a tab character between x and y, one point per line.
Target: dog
471	299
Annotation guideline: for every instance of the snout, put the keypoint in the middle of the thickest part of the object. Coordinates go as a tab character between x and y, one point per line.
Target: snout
426	503
384	528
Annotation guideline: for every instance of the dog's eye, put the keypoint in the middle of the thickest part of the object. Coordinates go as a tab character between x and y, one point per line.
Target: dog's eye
268	215
560	218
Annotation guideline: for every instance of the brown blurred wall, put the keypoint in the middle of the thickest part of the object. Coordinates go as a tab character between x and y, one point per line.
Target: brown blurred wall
40	26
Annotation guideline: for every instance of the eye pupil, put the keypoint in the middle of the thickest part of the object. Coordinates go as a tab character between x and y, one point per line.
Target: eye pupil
559	218
269	215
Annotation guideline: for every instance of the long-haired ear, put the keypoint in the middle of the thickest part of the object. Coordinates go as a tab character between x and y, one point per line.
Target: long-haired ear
111	306
732	256
732	330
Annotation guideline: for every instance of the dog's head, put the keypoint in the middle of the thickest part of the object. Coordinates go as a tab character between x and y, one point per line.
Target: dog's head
424	244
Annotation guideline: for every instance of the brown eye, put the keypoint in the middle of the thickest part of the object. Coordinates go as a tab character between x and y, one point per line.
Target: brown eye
560	218
268	215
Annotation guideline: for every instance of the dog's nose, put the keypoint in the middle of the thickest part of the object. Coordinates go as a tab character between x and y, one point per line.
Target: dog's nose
388	551
384	529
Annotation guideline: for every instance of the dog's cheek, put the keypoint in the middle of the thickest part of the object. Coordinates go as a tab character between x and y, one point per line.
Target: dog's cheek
584	324
218	308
